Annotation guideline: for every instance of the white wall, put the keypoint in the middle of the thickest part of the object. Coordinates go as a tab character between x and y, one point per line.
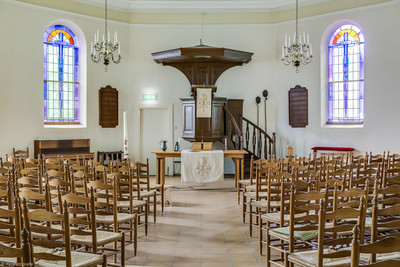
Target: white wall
21	95
381	124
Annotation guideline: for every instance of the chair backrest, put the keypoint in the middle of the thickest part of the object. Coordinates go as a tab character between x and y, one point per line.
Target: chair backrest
343	220
82	215
387	245
44	222
22	253
21	153
11	222
34	199
105	197
304	207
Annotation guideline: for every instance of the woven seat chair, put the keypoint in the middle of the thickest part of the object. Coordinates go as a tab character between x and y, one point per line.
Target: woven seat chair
332	247
107	215
141	188
305	206
125	197
385	246
249	191
267	195
53	248
84	230
281	216
14	248
144	177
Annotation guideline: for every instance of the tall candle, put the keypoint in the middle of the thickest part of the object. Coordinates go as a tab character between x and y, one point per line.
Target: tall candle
126	154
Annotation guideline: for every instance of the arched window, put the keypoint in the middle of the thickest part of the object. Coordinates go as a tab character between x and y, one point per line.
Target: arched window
61	81
346	76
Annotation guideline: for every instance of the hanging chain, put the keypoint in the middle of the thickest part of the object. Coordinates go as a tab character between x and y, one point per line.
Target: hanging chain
106	22
202	28
297	21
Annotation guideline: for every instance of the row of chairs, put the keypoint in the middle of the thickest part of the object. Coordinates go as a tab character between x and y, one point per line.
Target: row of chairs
114	198
269	201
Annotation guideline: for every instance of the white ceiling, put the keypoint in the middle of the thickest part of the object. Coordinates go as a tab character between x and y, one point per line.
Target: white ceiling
194	6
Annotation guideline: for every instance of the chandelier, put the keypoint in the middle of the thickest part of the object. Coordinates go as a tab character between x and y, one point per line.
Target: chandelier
105	49
298	51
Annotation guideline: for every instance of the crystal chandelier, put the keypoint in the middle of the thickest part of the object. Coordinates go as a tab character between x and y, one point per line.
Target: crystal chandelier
299	51
106	48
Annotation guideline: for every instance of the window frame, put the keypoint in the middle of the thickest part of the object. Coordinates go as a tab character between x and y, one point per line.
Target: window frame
69	40
339	31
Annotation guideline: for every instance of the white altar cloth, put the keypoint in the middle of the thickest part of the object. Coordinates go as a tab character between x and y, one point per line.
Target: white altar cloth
202	166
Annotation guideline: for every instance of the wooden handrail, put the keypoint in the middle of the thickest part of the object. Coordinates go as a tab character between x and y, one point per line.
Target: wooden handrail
239	133
262	144
258	128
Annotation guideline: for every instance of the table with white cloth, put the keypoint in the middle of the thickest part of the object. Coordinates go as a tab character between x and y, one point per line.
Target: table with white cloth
202	166
236	155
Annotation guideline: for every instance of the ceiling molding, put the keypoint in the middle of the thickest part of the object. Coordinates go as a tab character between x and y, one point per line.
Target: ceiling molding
320	8
195	6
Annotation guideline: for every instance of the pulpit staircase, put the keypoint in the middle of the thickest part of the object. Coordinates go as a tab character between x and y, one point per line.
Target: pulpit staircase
246	135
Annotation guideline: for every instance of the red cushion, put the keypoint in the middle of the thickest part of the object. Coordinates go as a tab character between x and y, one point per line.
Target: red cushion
332	148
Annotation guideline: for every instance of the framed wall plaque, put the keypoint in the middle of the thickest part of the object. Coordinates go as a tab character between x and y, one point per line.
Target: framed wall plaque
108	107
298	107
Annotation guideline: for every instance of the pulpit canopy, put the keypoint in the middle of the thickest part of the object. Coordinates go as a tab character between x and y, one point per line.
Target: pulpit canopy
202	64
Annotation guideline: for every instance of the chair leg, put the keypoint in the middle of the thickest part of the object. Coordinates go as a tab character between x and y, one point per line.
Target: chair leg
244	208
146	217
267	244
162	199
135	229
250	220
130	230
155	206
260	234
238	194
123	250
115	248
104	264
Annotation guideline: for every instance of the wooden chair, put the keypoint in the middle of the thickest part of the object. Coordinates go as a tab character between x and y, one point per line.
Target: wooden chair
389	244
249	192
279	217
385	222
331	246
126	200
303	209
10	229
15	256
84	230
46	251
107	215
31	179
144	177
141	188
267	195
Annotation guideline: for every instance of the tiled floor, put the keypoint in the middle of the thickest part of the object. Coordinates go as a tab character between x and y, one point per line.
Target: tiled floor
202	227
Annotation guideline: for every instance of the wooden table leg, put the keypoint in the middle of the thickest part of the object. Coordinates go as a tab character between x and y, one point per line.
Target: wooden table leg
162	171
241	168
237	172
158	174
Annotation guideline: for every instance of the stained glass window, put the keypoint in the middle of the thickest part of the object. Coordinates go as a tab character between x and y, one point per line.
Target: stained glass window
346	76
61	83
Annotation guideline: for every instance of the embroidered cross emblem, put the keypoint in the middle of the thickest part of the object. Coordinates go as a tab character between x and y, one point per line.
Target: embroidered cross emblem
204	102
203	168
